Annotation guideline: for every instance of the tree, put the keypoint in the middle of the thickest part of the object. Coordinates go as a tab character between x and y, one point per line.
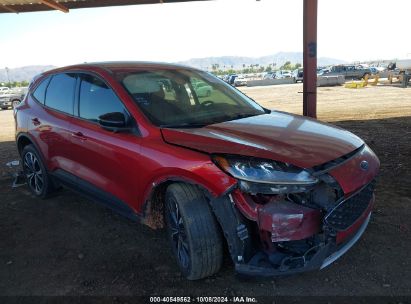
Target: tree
286	66
215	66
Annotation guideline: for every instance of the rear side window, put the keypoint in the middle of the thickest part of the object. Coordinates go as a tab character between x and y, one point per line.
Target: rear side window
40	92
60	92
96	99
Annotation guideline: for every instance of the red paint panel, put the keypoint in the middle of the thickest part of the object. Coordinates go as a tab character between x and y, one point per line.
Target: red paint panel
351	176
246	205
288	221
280	136
283	220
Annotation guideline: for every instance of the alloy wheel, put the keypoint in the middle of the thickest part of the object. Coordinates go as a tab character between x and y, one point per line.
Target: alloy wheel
34	174
178	233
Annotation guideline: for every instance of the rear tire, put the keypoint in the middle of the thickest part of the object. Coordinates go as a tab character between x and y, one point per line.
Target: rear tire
15	103
38	180
193	231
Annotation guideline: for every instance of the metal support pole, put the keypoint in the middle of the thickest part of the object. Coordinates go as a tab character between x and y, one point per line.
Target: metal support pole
310	58
8	77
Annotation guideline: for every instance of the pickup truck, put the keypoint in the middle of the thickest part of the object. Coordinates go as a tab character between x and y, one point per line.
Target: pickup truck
348	71
9	98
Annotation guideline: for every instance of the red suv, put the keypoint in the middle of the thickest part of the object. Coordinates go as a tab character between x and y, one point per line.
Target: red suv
286	193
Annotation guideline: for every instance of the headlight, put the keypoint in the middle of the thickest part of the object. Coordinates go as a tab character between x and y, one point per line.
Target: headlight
266	176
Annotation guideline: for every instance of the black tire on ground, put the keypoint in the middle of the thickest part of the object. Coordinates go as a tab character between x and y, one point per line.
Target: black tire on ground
14	103
193	231
38	180
4	108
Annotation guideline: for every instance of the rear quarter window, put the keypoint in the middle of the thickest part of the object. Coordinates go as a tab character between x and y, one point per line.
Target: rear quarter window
40	92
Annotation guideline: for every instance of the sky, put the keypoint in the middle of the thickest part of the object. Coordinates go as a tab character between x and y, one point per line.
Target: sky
351	30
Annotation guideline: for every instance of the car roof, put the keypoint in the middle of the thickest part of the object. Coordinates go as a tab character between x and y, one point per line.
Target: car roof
113	66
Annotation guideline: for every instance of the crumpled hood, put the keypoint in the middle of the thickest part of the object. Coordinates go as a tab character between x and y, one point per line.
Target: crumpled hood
294	139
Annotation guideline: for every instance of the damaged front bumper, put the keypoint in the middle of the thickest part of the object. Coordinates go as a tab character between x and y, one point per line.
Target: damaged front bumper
325	255
345	247
280	237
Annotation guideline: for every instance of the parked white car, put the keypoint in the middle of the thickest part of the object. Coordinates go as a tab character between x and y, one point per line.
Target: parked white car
240	81
283	74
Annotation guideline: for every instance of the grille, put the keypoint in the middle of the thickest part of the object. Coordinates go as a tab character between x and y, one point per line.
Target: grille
348	211
320	169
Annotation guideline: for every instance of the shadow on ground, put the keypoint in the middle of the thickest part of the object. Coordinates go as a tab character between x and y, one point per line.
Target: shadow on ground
8	152
67	245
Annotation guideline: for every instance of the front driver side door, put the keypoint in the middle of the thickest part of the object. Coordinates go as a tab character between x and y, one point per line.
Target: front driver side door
105	163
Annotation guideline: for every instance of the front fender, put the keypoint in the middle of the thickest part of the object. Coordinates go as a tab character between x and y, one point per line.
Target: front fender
210	179
207	176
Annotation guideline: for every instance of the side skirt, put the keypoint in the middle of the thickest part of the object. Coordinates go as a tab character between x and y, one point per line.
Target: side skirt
96	194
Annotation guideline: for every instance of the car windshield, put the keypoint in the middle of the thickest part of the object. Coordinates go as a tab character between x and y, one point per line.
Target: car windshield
186	98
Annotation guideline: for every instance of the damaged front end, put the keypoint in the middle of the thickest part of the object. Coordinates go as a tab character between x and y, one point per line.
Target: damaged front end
283	220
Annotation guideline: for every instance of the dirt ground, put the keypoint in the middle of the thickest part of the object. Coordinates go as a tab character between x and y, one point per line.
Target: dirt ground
67	245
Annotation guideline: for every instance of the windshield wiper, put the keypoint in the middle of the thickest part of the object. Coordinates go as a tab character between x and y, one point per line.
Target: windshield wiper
243	115
216	120
184	125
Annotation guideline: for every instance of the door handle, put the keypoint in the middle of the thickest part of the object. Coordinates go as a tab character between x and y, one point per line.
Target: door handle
79	135
35	121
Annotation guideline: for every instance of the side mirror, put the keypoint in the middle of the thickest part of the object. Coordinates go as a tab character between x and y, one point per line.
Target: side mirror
115	121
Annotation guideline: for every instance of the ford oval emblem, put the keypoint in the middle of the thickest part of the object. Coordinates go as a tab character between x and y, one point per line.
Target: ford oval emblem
364	165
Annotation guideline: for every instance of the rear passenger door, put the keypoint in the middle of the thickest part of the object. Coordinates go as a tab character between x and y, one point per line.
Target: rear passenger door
50	123
105	163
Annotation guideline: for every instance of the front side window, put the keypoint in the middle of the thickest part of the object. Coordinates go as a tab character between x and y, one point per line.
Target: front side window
60	92
184	98
97	99
40	92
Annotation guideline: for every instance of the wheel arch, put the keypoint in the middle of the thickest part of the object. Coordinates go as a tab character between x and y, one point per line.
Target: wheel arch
153	207
24	139
231	222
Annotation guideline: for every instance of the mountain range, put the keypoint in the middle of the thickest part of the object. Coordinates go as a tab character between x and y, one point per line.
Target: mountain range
25	73
237	62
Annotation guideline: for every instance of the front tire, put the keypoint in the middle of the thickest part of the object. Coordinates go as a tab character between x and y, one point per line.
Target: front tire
38	180
193	231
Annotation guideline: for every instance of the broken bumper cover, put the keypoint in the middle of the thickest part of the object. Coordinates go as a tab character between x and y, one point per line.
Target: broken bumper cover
324	256
344	248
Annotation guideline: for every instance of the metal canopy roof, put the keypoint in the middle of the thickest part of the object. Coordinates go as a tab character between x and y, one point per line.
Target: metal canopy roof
22	6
